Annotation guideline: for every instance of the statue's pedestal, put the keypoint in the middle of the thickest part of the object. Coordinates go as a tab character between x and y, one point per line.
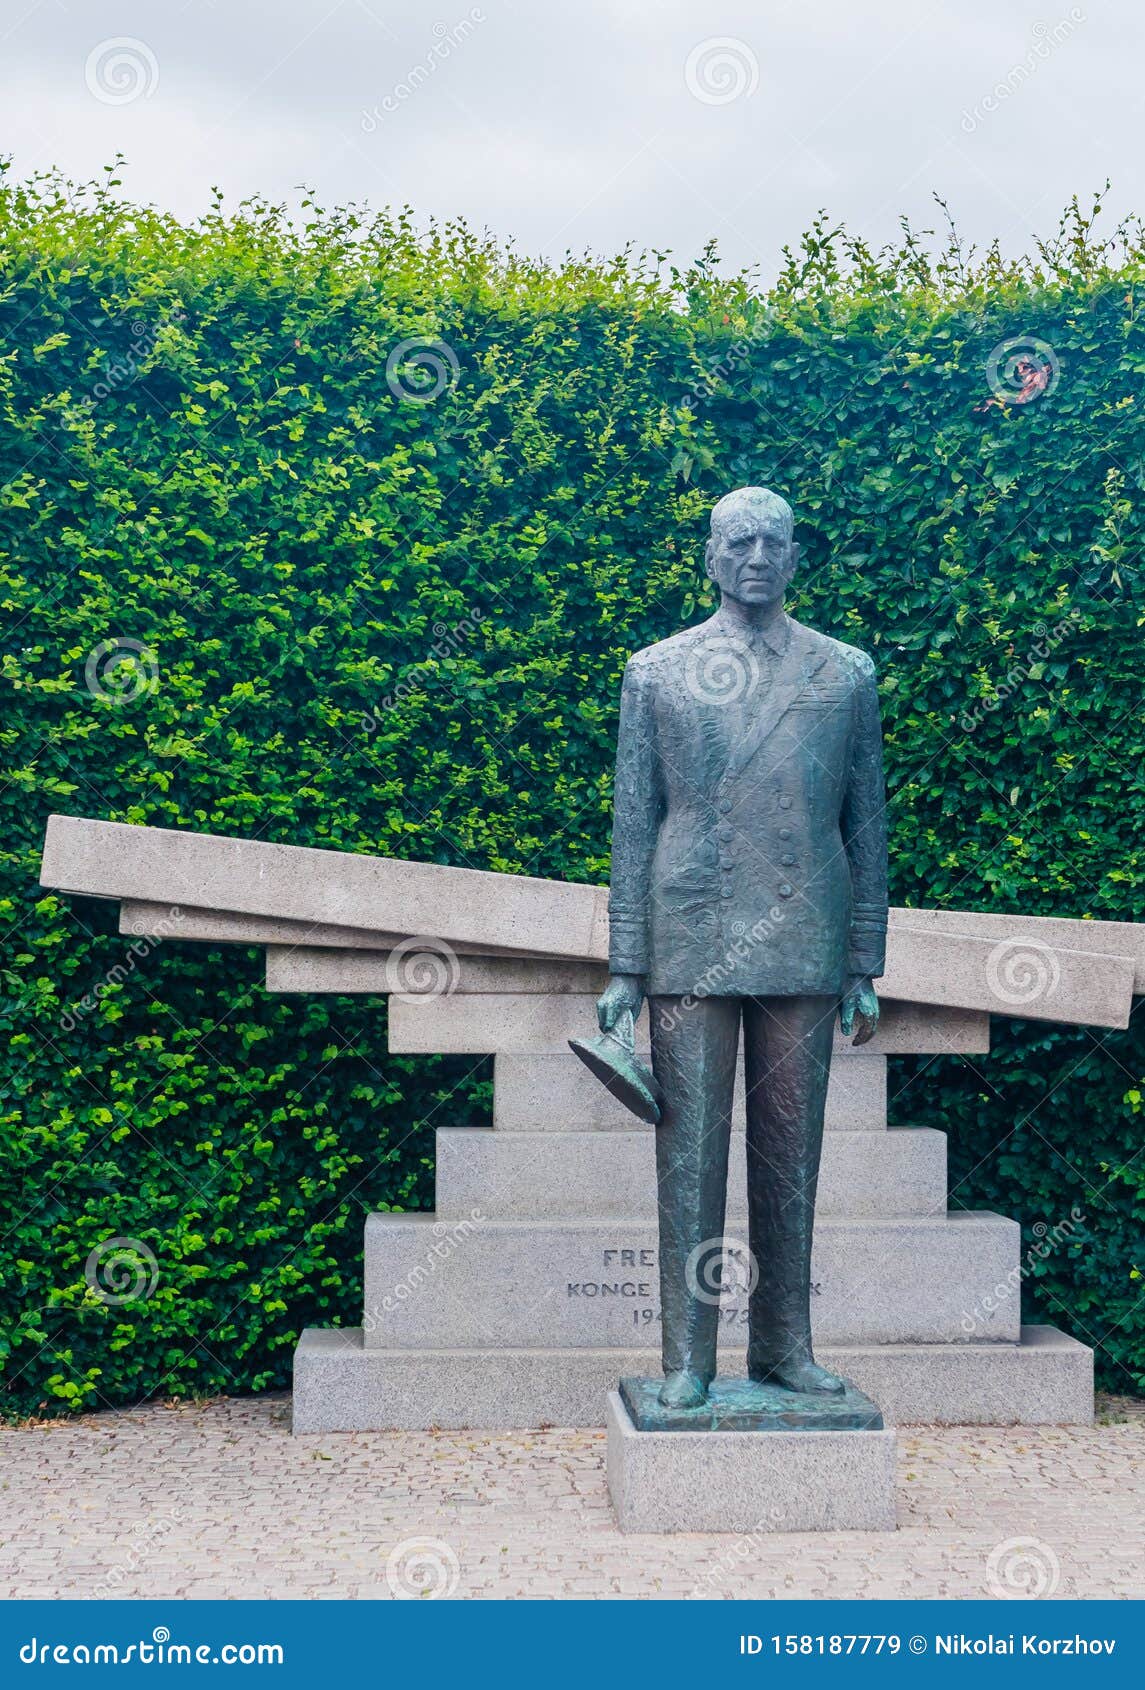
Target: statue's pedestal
534	1285
774	1478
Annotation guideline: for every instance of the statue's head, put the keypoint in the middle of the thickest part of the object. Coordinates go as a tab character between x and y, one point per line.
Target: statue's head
751	555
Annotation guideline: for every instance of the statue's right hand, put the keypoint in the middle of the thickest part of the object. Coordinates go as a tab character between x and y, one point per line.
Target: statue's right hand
623	992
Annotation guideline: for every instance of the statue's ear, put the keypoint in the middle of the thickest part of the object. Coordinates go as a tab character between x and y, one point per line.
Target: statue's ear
708	561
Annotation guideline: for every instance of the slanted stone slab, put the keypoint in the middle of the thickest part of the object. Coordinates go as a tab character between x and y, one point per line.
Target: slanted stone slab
343	888
553	1091
748	1482
485	1024
1014	975
340	1385
286	938
1056	933
1007	977
385	896
578	1175
432	1283
302	969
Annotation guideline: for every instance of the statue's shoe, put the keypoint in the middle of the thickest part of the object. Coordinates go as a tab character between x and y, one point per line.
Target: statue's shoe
682	1390
800	1373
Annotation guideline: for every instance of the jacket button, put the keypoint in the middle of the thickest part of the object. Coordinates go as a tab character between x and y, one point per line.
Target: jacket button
787	859
785	890
726	832
785	833
725	805
725	892
725	862
785	803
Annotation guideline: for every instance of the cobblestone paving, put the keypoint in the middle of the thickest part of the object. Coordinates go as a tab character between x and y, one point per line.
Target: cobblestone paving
218	1500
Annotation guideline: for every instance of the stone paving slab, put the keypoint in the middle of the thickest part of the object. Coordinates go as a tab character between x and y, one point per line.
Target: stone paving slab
217	1500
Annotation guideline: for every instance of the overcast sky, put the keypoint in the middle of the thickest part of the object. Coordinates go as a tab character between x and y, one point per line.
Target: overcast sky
565	125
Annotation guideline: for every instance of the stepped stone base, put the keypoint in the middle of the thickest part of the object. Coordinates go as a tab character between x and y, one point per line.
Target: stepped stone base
749	1481
551	1091
341	1386
568	1175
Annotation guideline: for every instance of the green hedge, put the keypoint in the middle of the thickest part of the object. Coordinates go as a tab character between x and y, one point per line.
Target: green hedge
397	624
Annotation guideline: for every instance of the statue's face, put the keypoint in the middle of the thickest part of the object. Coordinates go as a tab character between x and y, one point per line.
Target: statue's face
751	557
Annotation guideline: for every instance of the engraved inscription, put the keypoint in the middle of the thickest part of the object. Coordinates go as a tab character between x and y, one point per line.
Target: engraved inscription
627	1276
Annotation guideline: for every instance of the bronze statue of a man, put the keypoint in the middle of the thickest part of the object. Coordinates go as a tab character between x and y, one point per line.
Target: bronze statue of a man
749	885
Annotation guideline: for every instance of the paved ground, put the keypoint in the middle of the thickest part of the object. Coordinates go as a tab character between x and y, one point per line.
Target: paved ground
217	1500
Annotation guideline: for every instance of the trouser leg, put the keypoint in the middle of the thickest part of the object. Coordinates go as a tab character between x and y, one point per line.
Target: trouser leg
694	1047
787	1058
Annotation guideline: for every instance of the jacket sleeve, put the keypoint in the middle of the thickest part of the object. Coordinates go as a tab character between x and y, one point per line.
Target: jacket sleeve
638	806
864	827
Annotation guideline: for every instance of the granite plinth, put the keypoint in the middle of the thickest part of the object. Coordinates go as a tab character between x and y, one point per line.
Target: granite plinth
432	1283
749	1482
748	1405
341	1385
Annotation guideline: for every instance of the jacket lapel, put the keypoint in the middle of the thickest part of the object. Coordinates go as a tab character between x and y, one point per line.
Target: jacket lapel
797	666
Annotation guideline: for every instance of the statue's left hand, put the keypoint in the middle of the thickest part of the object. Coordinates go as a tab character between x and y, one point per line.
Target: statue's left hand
859	1011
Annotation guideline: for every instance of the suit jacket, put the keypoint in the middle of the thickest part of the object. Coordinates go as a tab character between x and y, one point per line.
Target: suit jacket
749	846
